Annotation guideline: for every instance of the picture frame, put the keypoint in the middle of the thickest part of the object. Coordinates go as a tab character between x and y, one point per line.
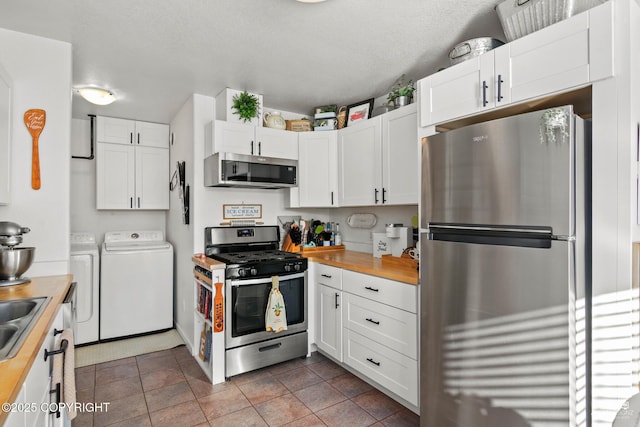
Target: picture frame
359	111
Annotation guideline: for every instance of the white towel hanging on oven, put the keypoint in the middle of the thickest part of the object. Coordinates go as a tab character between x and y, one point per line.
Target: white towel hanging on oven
276	315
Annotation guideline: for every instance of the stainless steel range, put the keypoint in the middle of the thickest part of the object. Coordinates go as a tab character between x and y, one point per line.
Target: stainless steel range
252	259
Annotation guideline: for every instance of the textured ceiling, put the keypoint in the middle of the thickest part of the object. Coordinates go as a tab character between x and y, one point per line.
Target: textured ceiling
154	53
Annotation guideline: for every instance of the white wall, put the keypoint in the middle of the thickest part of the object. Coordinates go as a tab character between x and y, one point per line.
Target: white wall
41	72
84	215
178	233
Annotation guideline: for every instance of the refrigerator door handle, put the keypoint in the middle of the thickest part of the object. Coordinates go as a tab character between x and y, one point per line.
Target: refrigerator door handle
487	229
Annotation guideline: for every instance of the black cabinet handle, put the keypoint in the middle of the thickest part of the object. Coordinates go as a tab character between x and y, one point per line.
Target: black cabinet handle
138	202
328	276
332	198
375	322
484	93
259	148
252	148
370	360
384	200
336	296
131	202
500	81
369	288
130	137
375	195
138	138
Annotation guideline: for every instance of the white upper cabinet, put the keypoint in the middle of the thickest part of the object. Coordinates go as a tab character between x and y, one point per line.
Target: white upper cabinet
378	160
132	165
564	56
359	153
5	136
123	131
318	169
250	140
400	157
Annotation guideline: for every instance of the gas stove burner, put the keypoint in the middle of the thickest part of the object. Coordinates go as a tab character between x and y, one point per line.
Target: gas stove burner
255	257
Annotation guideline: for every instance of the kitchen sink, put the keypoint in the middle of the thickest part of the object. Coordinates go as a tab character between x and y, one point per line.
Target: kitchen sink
17	317
15	309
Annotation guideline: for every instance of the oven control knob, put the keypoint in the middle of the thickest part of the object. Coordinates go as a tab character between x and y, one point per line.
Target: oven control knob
253	271
242	272
296	267
287	267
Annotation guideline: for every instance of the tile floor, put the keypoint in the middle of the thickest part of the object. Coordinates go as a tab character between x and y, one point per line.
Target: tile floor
168	388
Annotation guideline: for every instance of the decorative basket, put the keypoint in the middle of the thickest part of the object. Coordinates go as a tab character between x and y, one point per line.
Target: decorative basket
301	125
522	17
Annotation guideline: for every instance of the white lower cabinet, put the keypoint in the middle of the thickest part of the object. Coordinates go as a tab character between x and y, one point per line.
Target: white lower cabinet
392	370
34	394
371	325
328	281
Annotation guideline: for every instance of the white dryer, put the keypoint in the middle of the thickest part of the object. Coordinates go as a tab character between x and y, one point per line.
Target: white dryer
85	267
136	292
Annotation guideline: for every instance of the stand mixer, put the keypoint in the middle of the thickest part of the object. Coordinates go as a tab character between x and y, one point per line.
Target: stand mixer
13	261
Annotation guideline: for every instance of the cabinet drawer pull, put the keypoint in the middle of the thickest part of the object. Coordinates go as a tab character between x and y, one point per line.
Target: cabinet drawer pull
500	81
375	322
369	288
370	360
328	276
337	296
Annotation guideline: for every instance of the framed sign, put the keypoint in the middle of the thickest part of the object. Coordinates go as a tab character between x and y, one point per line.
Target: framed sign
242	211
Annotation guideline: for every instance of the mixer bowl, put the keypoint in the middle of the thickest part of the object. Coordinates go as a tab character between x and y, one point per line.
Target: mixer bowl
14	262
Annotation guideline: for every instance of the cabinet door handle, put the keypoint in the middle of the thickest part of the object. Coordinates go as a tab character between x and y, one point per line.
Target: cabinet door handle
375	322
259	148
384	200
484	93
138	138
375	195
332	198
130	137
138	202
369	288
131	202
328	276
337	295
500	81
370	360
252	148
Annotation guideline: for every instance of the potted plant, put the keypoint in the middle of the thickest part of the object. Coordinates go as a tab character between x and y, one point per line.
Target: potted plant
401	92
246	105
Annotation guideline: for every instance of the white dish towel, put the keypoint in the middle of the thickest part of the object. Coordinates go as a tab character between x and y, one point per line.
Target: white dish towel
276	315
64	373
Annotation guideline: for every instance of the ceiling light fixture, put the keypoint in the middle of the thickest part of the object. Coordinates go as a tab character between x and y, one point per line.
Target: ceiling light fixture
96	95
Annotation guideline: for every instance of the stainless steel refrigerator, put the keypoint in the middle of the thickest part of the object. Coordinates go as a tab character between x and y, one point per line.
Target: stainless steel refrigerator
504	274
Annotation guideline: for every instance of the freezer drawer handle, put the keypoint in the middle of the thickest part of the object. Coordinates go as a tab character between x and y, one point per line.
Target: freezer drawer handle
375	322
328	276
373	361
270	347
369	288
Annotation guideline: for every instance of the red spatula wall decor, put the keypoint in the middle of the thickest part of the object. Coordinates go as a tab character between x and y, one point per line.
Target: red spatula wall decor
34	119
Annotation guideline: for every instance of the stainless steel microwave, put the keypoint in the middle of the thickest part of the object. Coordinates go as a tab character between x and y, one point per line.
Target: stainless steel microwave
238	170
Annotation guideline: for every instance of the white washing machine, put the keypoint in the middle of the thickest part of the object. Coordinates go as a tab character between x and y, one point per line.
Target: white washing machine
85	267
136	283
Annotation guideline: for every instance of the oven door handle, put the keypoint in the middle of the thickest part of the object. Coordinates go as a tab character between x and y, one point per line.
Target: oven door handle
283	277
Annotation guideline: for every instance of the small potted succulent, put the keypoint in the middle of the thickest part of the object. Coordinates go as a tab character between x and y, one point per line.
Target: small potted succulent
401	92
246	105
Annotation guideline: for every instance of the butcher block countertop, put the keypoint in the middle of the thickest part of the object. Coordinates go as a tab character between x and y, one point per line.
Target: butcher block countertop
15	370
400	269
